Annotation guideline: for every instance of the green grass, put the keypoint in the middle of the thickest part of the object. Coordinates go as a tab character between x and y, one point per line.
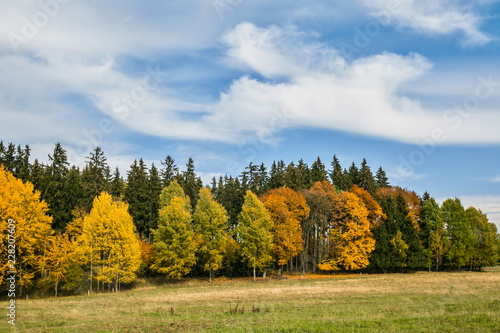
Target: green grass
420	302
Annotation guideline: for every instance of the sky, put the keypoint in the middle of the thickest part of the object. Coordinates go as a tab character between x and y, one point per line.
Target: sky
412	86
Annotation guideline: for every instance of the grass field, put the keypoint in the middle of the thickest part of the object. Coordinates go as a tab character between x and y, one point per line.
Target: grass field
419	302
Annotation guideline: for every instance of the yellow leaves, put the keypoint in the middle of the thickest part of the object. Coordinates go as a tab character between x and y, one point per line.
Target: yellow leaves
351	237
109	241
287	209
19	202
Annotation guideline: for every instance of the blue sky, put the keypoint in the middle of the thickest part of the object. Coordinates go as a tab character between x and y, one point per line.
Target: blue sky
412	86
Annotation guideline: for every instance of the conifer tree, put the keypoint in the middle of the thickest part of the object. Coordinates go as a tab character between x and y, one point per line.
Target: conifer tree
277	175
95	177
190	183
318	172
381	178
138	197
365	178
170	172
339	176
254	233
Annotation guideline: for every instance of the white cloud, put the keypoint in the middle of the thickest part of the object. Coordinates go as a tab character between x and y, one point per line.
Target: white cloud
432	17
495	179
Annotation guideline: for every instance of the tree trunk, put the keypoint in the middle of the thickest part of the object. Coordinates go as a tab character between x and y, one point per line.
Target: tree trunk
253	273
210	275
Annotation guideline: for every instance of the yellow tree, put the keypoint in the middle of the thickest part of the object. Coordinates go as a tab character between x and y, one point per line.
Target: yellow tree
287	209
109	242
211	225
175	243
24	238
375	213
57	260
350	236
254	233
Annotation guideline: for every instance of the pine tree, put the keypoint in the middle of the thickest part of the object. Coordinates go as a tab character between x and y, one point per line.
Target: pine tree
381	178
154	188
95	177
339	176
365	178
254	233
117	185
190	183
318	172
137	195
170	172
277	175
211	225
55	191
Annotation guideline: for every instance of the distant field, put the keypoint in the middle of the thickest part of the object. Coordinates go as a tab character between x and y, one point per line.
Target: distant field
420	302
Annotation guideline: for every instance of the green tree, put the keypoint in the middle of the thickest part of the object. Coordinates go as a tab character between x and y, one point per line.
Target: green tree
318	172
95	177
365	178
338	176
138	197
433	232
381	178
211	224
175	242
459	232
190	183
170	172
486	248
254	233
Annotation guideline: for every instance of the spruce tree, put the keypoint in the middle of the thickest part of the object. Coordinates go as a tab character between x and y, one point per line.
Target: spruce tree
138	198
365	178
381	178
318	171
190	183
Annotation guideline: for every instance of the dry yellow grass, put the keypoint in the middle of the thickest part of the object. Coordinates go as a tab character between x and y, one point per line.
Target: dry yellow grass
436	302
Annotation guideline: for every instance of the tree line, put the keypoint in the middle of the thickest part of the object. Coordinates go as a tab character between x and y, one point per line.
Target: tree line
92	229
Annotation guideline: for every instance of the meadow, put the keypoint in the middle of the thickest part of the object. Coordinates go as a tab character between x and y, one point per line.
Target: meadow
414	302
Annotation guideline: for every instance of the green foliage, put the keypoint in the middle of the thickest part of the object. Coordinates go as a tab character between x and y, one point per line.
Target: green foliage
175	243
254	233
458	231
211	225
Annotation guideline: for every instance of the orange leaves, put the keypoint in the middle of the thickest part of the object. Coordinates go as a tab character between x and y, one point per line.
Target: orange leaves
287	209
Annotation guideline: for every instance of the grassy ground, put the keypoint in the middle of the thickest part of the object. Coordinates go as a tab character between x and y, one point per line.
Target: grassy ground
420	302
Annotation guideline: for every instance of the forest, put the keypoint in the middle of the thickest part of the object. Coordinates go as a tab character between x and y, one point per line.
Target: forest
94	230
